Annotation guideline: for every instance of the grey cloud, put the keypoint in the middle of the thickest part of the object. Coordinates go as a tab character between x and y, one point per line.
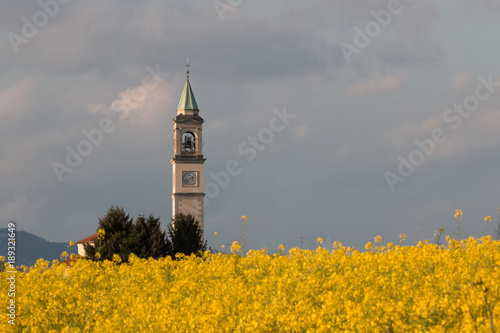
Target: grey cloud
321	176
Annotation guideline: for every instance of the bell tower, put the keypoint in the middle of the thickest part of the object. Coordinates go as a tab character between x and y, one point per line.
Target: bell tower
187	162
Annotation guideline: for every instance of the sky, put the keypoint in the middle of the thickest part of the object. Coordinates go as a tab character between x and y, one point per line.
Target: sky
348	119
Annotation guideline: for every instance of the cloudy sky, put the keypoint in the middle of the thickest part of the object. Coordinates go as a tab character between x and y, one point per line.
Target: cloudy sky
389	115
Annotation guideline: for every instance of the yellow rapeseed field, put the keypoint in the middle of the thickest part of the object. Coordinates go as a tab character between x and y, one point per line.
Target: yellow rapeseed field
387	288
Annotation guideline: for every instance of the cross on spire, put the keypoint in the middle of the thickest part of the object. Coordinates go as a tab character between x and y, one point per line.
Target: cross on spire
187	68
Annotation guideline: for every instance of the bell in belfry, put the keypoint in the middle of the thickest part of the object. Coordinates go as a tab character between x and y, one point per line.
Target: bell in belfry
189	143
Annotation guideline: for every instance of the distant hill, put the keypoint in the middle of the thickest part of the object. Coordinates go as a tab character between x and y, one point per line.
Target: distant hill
30	248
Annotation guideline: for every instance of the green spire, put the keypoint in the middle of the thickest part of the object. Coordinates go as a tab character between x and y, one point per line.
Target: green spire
187	102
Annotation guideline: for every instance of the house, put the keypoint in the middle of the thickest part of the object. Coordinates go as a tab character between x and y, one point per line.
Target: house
87	240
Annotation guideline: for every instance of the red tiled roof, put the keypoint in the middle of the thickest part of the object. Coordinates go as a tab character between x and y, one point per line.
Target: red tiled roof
88	239
68	261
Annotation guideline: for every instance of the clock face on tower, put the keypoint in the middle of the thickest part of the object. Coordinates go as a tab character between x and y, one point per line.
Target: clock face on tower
189	178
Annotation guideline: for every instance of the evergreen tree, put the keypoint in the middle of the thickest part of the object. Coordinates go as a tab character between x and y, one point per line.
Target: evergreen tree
186	235
119	234
117	227
148	239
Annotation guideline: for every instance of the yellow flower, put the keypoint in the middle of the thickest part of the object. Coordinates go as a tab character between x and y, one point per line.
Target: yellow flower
215	233
319	240
378	239
383	289
487	218
244	217
458	214
100	234
235	247
71	243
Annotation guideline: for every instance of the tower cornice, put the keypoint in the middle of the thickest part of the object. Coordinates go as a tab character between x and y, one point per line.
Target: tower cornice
188	159
182	118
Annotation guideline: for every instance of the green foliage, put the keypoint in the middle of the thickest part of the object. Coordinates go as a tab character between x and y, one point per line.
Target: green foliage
117	226
186	235
123	236
148	240
119	234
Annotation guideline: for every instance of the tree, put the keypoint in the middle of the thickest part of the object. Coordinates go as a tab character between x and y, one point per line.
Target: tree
148	240
186	235
119	234
116	239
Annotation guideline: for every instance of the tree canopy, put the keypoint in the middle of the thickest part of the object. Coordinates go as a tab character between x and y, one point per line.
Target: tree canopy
114	236
186	235
118	233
